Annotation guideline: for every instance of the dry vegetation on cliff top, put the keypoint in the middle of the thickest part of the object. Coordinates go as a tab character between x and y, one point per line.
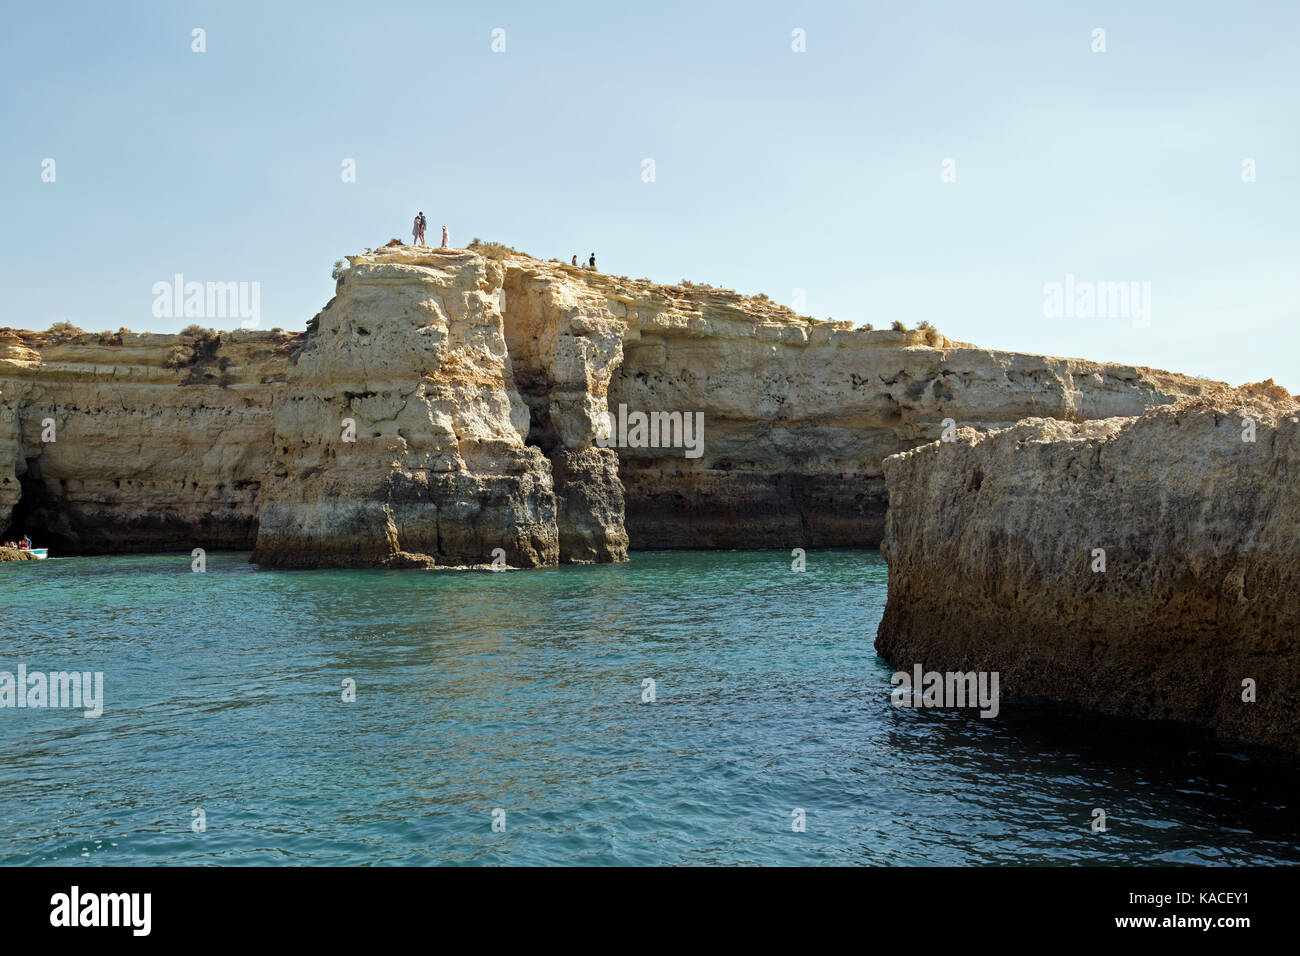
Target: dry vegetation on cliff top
197	347
196	340
203	342
760	304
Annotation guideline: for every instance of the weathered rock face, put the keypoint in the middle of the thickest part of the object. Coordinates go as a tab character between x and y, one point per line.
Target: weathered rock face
992	546
564	346
797	417
130	442
479	389
399	437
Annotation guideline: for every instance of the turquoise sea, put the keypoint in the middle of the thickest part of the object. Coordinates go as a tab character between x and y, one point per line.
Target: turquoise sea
522	691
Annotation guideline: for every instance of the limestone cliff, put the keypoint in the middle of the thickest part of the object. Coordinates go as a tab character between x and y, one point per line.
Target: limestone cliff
477	388
126	442
1140	566
797	415
399	434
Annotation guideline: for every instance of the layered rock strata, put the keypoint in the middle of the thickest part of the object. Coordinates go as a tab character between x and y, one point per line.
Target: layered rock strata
478	388
1141	566
126	442
797	415
400	433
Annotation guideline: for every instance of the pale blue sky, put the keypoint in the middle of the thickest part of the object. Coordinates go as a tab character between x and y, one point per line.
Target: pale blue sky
775	170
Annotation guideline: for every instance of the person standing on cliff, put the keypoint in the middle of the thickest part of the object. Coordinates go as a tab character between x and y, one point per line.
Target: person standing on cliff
424	224
415	229
444	237
591	263
575	260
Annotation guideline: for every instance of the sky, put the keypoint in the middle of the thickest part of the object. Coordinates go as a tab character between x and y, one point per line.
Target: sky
919	161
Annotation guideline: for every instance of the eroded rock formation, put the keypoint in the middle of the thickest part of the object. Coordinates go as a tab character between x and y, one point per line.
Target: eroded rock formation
399	434
798	416
128	442
996	545
477	388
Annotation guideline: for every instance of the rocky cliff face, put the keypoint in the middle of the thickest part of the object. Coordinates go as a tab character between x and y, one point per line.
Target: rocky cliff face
399	435
797	416
1140	566
478	391
564	345
125	442
798	420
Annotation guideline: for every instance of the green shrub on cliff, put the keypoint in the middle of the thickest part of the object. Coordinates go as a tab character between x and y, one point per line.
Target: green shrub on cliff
179	356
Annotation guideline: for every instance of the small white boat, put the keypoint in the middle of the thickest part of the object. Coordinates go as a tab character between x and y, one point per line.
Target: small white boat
40	554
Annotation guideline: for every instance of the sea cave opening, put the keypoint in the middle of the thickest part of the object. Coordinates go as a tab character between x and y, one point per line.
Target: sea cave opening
36	513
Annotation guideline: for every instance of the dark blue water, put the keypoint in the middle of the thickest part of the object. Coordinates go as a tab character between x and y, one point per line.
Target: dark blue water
522	691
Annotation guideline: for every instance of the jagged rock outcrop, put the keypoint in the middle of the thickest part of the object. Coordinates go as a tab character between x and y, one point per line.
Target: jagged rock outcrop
994	544
479	387
564	346
399	437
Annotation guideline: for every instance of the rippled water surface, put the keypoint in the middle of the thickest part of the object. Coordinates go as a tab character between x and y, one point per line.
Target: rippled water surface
522	691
